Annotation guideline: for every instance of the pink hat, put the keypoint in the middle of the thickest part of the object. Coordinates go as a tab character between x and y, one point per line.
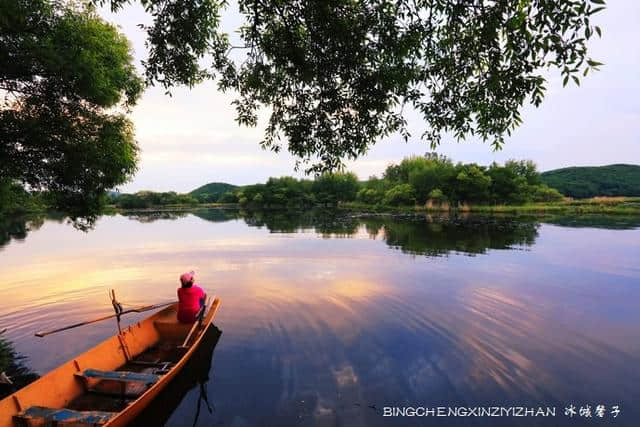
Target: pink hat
187	277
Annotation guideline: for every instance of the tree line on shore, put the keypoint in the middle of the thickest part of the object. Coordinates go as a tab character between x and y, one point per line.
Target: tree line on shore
429	179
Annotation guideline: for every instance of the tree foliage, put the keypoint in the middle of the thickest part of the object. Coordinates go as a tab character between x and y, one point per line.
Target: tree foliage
437	178
287	192
149	199
14	199
66	76
182	34
338	75
401	194
332	188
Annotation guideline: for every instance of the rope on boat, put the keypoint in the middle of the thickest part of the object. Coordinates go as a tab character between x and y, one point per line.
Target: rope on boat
117	307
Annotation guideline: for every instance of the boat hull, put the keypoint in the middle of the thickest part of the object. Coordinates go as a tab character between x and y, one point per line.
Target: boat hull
61	386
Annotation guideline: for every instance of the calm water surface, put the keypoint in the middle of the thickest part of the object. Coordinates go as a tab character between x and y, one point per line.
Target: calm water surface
327	319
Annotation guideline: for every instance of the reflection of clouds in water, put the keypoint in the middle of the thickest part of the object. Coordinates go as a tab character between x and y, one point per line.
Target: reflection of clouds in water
472	346
497	327
520	346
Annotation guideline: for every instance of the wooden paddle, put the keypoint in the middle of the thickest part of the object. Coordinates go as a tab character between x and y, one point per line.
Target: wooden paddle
88	322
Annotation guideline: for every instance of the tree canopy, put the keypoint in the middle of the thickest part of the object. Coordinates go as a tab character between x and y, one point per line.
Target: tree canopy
66	78
337	75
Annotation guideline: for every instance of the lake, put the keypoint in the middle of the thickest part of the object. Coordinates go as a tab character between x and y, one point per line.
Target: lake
327	319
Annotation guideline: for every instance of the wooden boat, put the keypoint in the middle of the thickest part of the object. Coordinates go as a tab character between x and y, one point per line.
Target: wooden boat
110	384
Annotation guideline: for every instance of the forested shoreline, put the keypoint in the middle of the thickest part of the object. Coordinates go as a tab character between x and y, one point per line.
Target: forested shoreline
415	181
429	182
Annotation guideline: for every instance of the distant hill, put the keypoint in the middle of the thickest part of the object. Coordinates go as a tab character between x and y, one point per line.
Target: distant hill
213	191
591	181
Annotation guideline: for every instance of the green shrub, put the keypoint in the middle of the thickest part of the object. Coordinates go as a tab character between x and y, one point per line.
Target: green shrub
369	196
228	197
542	193
437	195
401	194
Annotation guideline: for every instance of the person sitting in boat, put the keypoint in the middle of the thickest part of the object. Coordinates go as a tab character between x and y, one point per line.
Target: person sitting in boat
191	298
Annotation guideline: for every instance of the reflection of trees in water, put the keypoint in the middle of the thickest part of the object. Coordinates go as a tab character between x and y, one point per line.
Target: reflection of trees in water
612	222
213	215
409	233
412	233
18	228
432	236
151	216
440	236
13	365
326	223
217	215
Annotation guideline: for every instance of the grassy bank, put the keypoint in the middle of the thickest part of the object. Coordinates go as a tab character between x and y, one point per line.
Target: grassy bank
596	205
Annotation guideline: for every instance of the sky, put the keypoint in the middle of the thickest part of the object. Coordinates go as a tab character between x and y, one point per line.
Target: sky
192	138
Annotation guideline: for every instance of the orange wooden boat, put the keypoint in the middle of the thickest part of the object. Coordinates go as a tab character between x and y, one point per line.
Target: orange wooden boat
110	384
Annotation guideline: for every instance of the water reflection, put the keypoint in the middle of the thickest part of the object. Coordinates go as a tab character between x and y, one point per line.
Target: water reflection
414	234
327	319
610	222
17	228
327	223
435	237
151	216
15	372
213	215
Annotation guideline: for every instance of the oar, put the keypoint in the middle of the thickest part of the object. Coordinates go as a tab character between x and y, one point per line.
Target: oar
88	322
